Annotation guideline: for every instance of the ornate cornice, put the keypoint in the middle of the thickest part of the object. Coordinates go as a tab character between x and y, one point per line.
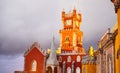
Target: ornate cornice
117	5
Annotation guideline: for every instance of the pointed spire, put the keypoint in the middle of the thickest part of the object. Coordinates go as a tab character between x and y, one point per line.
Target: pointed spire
52	60
63	10
53	44
74	7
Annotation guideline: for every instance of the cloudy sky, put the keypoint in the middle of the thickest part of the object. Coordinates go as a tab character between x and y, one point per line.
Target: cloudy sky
23	22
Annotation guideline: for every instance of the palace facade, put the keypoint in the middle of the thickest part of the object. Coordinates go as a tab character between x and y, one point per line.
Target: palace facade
108	53
105	52
117	39
66	59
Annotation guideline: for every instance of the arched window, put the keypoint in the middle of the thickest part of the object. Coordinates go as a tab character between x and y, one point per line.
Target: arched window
55	70
64	65
34	65
77	70
60	58
49	69
109	63
73	63
78	58
69	59
68	70
67	39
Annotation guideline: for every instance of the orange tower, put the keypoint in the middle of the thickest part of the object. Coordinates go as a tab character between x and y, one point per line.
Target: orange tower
70	35
70	58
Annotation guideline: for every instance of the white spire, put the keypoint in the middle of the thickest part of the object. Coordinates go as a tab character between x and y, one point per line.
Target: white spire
52	60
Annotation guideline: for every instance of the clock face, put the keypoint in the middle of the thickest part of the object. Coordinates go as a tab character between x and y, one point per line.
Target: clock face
68	22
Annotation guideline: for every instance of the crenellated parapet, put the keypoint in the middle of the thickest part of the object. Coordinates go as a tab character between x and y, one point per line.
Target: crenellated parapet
71	15
72	19
35	44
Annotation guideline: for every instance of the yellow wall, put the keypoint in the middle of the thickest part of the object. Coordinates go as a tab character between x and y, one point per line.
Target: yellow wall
90	68
117	44
118	15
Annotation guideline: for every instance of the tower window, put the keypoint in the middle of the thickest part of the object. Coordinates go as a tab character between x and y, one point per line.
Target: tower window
67	38
69	59
68	70
34	65
77	70
68	22
78	58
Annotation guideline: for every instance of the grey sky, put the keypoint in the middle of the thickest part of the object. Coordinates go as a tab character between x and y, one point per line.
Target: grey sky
23	22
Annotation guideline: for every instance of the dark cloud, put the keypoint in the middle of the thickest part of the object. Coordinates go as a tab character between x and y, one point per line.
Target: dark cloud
10	64
23	22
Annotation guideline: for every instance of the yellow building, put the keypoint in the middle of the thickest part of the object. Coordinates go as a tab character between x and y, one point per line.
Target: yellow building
89	64
89	68
117	39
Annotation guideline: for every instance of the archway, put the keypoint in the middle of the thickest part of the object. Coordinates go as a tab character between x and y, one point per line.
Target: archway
68	70
49	69
55	70
77	70
34	65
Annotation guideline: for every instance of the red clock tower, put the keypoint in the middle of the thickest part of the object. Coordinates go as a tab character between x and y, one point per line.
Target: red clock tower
71	43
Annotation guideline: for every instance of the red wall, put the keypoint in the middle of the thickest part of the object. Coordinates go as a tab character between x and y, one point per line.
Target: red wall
69	64
34	54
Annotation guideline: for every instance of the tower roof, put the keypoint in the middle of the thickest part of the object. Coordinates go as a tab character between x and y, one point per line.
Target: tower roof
35	45
52	60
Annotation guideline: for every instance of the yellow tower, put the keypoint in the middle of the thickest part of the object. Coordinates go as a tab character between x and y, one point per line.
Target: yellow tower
70	58
117	39
70	35
117	11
